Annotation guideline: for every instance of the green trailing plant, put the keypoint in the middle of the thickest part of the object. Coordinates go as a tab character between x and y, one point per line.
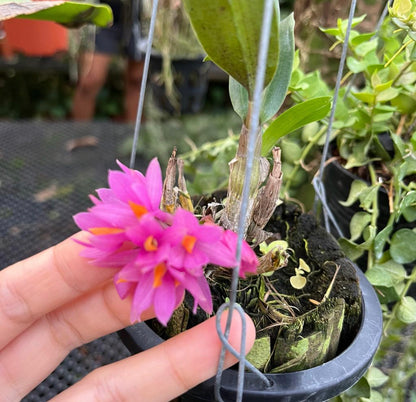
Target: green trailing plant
374	137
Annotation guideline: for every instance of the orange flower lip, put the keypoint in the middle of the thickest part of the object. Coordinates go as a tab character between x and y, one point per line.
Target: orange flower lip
160	271
138	210
105	231
188	242
150	244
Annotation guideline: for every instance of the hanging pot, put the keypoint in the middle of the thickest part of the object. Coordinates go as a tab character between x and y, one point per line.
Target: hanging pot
314	384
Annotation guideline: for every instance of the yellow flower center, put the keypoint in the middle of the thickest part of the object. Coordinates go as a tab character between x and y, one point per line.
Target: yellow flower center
150	244
188	242
160	271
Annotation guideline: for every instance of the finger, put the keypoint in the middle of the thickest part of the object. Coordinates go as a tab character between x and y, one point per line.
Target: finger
29	358
163	372
39	284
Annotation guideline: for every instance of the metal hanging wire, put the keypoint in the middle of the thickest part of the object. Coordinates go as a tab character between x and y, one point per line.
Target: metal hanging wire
231	305
317	181
143	84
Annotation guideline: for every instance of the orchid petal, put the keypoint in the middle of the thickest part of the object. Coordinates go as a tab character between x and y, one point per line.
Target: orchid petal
164	300
154	183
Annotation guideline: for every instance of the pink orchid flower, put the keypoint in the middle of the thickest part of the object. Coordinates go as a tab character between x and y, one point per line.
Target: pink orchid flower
195	244
160	255
249	261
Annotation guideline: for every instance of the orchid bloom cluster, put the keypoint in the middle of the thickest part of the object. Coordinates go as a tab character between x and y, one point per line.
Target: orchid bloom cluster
160	254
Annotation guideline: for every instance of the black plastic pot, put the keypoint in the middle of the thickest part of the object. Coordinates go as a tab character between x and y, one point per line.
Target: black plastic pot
337	183
315	384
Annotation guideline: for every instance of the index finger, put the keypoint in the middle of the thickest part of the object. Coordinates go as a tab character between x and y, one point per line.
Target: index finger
40	284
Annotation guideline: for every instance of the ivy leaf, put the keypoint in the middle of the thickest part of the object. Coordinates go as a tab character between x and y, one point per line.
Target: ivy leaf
229	31
406	311
408	206
402	247
375	377
296	117
351	249
357	187
380	240
368	196
275	93
360	390
388	274
359	222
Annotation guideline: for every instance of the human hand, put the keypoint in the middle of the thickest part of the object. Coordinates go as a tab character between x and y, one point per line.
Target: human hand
56	301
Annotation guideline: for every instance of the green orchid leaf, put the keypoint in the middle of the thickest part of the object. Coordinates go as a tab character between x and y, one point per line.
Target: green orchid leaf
388	274
402	247
69	13
292	119
358	223
275	93
239	98
406	311
229	31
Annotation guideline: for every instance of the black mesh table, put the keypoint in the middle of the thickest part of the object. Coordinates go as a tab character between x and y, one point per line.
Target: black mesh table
47	170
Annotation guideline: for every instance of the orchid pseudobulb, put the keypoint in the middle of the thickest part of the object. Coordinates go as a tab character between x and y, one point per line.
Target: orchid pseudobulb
159	255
